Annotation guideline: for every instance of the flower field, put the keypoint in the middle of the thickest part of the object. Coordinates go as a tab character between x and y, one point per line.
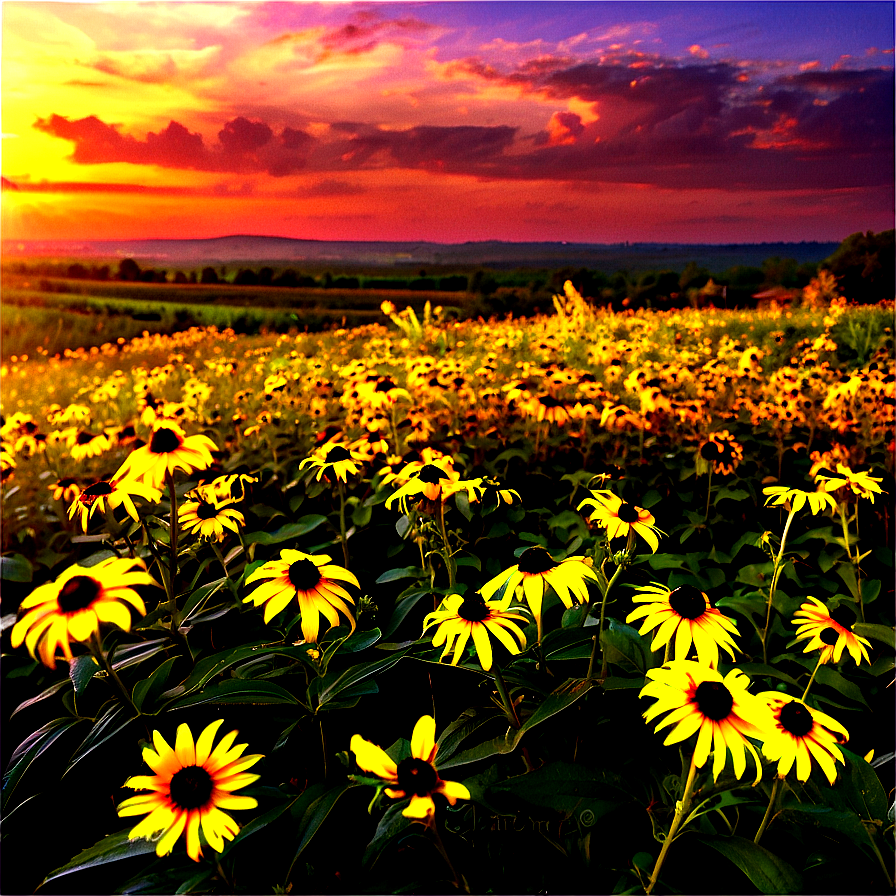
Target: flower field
591	602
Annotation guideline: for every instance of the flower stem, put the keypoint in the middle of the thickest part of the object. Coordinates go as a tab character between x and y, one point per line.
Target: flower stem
96	649
446	549
509	708
776	574
459	880
342	537
708	493
172	556
681	810
818	665
769	812
220	557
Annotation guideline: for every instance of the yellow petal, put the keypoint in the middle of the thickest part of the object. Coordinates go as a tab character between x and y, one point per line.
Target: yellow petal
423	740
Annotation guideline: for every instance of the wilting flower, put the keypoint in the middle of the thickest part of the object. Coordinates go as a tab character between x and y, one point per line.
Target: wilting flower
333	461
460	618
827	634
610	512
780	494
720	711
168	449
110	493
799	734
311	580
720	451
190	786
208	519
73	607
537	570
415	777
687	615
863	485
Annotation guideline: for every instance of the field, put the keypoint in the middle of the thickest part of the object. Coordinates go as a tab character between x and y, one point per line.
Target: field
636	566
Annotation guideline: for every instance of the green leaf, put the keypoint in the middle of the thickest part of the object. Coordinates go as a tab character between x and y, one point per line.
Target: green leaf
197	599
840	820
235	690
848	574
460	729
462	503
81	670
37	743
289	532
833	679
390	826
146	691
884	633
315	816
354	674
109	849
404	572
665	561
208	667
48	692
113	720
767	872
16	568
405	604
567	788
859	785
627	644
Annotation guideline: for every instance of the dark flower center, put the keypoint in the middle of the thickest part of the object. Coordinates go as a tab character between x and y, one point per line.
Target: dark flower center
432	474
796	719
628	513
164	441
711	451
336	454
84	438
473	609
688	602
206	511
191	787
843	617
829	636
549	401
78	593
97	490
304	575
536	560
385	386
714	700
417	777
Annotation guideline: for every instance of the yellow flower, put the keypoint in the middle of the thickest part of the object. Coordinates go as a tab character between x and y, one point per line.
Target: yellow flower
168	450
827	634
333	461
209	520
800	734
863	485
309	579
537	570
73	607
720	711
460	618
780	494
687	615
190	786
610	512
415	777
110	493
721	452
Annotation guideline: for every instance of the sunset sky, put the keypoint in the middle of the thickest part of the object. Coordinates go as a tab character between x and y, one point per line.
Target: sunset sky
588	122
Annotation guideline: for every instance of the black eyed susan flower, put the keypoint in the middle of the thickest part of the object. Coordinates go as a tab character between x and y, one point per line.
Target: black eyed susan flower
415	777
428	485
686	615
537	570
619	518
73	607
781	494
460	618
65	489
720	711
110	493
168	449
190	787
333	461
208	520
862	485
86	444
799	735
312	580
829	632
721	452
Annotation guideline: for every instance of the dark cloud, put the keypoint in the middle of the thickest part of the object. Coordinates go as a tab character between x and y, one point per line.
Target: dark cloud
243	146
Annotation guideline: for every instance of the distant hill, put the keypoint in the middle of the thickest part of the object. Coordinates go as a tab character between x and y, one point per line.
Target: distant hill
247	249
